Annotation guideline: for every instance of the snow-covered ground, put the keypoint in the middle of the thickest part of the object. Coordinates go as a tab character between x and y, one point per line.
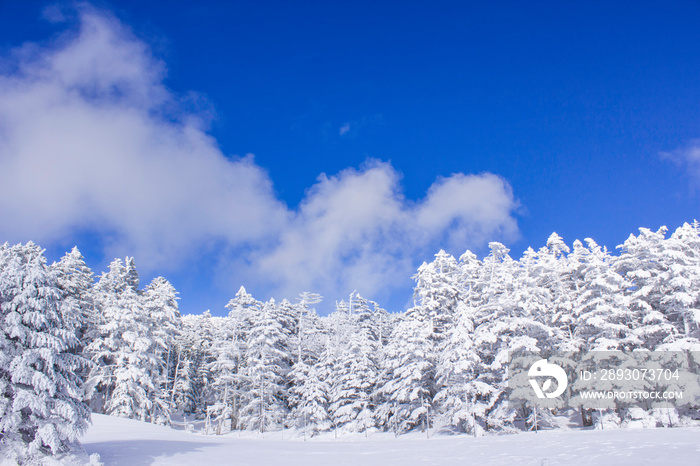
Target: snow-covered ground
126	442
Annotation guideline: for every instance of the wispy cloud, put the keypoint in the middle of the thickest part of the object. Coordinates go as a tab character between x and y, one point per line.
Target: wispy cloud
91	140
352	128
687	157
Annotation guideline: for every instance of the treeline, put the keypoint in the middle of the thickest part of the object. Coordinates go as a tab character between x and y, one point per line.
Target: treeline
72	342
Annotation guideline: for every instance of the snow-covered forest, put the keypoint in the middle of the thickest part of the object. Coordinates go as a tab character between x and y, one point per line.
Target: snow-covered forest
72	343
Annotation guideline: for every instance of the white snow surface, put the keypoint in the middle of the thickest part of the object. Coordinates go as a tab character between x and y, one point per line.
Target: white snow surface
126	442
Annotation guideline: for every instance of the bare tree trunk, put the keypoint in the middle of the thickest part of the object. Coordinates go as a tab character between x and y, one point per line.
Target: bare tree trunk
177	369
234	413
262	405
536	426
586	417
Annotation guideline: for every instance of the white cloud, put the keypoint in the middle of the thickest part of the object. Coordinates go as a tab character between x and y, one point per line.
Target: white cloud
91	140
687	156
356	231
468	210
344	129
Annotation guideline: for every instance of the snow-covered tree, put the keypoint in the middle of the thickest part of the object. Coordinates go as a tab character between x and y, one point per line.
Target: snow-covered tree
305	322
641	263
355	370
75	280
128	369
601	319
408	377
308	385
309	394
437	293
456	373
187	355
681	302
266	370
228	367
41	393
495	333
444	362
197	349
160	309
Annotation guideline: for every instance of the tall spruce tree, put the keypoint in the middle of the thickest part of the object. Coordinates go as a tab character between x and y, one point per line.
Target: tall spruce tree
41	393
265	405
129	368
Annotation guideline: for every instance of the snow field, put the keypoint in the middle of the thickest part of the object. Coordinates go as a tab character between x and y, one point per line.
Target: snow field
127	442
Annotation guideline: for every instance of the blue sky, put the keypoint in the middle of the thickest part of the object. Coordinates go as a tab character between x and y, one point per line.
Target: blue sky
332	146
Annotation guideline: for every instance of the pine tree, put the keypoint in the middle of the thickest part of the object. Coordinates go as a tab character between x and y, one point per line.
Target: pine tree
642	264
354	373
186	356
128	369
160	311
309	394
493	336
200	357
265	407
227	369
305	322
681	302
308	388
601	318
76	279
408	376
437	293
456	373
41	392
